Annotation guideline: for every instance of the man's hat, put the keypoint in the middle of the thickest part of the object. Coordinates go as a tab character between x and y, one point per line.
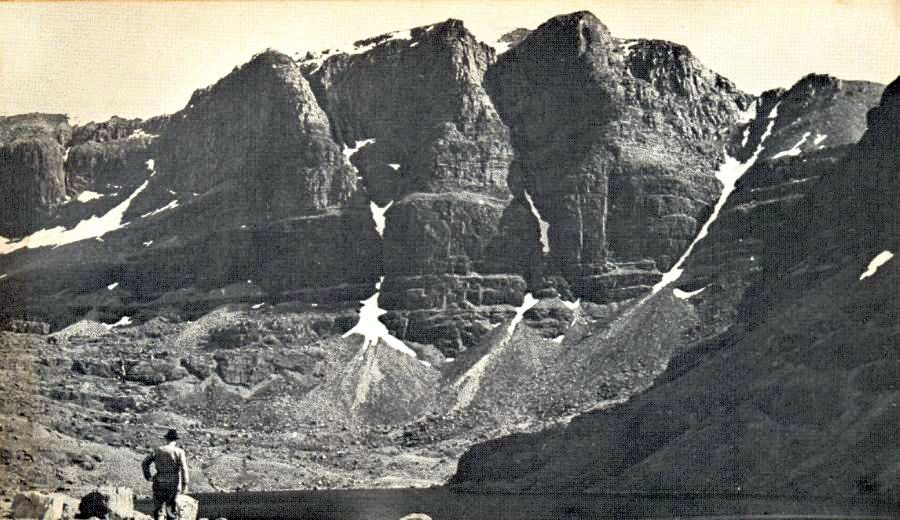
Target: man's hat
171	435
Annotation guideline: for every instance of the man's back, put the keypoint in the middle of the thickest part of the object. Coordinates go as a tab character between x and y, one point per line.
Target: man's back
171	464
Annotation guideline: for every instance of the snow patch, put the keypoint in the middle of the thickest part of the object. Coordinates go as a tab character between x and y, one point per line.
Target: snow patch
468	384
774	113
2	276
140	133
371	329
147	243
819	138
572	305
501	47
558	339
123	321
684	295
171	205
794	150
357	146
746	116
545	226
528	302
394	166
378	216
87	196
746	136
728	174
629	45
151	165
257	306
879	260
93	227
112	286
317	59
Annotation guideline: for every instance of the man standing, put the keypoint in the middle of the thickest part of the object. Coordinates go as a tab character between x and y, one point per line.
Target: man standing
170	479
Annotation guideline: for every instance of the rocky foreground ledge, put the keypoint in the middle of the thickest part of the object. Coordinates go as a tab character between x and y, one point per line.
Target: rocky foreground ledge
109	503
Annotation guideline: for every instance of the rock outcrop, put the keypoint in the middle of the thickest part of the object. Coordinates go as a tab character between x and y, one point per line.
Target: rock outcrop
31	169
43	506
260	140
616	141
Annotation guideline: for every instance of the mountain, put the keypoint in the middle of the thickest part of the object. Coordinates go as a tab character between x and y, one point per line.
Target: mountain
795	396
352	265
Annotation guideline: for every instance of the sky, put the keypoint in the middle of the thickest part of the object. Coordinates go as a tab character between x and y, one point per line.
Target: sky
92	60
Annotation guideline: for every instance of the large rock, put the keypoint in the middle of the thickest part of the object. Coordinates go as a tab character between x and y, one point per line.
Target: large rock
43	506
419	96
257	137
31	169
187	507
617	141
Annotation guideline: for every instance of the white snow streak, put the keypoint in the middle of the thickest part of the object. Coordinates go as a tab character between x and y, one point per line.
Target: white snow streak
879	260
93	227
558	339
544	225
746	136
147	243
746	116
394	166
729	172
112	286
318	58
795	150
357	146
501	47
2	276
87	196
819	138
528	302
139	133
684	295
170	205
469	383
123	321
371	329
257	306
378	216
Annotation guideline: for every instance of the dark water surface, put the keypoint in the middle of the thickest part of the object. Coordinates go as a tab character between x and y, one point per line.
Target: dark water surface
444	504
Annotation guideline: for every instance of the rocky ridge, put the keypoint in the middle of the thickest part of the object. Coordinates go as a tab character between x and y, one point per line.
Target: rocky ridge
792	394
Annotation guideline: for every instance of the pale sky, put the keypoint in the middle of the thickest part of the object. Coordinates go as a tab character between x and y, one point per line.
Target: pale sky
139	59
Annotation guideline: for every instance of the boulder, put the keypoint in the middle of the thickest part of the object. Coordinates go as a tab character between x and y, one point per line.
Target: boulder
112	503
43	506
187	507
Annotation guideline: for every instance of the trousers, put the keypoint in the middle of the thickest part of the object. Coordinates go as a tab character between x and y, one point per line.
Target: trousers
164	495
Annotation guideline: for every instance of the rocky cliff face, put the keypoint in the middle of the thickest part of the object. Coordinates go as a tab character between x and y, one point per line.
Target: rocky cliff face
31	168
259	135
615	142
789	396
